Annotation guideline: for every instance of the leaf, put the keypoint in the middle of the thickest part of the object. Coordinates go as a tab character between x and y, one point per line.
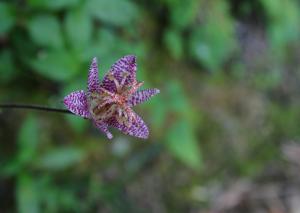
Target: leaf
77	123
171	100
159	109
179	136
27	144
78	27
58	65
174	43
53	4
27	194
45	30
62	158
283	18
110	47
116	12
183	13
28	140
177	100
213	42
7	66
7	18
182	143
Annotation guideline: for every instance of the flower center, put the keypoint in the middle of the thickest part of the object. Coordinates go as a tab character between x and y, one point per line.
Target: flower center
107	104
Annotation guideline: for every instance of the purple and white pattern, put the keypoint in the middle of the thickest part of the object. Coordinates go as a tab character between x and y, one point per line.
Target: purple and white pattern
142	96
93	79
124	67
76	102
138	128
109	103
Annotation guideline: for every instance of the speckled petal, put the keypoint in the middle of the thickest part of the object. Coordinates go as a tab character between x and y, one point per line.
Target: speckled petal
142	96
76	102
93	77
103	127
138	128
125	66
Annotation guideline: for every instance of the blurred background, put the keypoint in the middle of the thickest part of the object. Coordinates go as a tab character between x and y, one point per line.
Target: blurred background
224	131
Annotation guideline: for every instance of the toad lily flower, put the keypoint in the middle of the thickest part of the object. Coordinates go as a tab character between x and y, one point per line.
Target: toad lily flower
109	103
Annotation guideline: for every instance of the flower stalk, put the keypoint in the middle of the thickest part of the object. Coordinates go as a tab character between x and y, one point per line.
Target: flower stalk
34	107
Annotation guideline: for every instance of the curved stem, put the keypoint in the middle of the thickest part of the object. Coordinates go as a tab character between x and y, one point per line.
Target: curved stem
34	107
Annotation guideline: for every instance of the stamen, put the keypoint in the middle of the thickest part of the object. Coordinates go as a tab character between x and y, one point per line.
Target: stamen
104	103
127	123
119	119
135	87
110	76
117	85
107	92
125	75
119	112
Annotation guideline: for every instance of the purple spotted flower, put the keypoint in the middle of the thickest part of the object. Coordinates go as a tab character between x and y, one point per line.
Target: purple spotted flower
109	103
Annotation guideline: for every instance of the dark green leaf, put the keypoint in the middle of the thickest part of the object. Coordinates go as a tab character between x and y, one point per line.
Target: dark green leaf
182	143
109	48
28	139
45	30
78	27
57	65
27	194
174	43
53	4
60	158
7	66
116	12
7	18
213	42
183	13
284	19
77	123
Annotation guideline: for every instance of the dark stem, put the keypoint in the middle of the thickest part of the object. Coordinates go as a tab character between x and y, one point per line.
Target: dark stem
34	107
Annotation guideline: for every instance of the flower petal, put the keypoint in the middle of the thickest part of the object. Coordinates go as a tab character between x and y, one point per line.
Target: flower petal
93	77
138	128
142	96
76	102
103	127
123	70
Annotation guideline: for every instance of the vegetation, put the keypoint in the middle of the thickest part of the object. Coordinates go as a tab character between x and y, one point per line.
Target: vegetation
228	72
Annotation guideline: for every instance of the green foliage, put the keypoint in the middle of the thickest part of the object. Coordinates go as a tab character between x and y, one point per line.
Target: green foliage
183	13
266	80
284	21
287	124
7	67
77	123
27	194
60	158
116	12
27	144
53	4
111	47
7	18
58	64
55	163
182	142
174	43
78	27
180	135
213	42
28	140
45	30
